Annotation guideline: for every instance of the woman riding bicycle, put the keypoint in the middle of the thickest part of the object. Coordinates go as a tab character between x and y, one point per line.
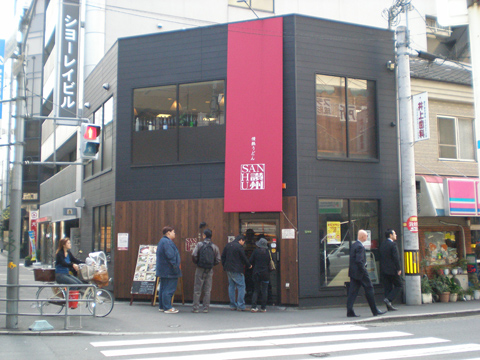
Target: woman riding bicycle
65	263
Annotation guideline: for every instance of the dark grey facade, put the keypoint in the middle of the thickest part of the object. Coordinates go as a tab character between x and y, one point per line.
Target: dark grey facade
311	46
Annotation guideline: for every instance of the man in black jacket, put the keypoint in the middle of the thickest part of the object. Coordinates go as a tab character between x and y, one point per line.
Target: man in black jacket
359	276
234	262
390	268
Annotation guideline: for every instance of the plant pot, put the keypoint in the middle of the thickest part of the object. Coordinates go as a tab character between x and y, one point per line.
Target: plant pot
426	298
444	297
468	297
476	294
454	271
453	297
446	271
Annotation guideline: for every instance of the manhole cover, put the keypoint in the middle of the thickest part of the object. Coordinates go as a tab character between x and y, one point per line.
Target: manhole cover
320	355
173	326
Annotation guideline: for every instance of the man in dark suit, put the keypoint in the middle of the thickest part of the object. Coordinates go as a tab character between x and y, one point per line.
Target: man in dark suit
359	276
390	268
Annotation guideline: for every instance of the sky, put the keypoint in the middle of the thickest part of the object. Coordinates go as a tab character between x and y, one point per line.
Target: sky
7	18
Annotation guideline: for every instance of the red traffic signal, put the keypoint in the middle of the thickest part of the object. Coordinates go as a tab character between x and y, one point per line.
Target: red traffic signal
92	132
89	141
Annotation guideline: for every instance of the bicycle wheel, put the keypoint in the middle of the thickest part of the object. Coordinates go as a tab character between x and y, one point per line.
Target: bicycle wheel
103	303
51	300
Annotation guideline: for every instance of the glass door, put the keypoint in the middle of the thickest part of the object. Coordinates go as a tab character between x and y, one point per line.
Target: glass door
255	226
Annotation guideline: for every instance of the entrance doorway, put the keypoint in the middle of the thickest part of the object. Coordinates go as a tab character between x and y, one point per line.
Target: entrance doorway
255	226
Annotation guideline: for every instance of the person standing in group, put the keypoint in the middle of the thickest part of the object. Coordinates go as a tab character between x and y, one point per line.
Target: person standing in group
205	255
358	274
168	270
390	268
234	262
260	260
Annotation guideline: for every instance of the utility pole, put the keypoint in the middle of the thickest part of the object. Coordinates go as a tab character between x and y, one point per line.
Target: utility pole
16	196
474	33
409	194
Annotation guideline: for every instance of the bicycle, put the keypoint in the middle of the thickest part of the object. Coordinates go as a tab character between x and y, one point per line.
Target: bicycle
52	299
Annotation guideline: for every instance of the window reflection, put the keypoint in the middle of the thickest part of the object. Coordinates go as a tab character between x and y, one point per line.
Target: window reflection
339	222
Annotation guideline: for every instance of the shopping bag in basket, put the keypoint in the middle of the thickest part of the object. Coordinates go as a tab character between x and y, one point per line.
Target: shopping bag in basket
100	277
86	272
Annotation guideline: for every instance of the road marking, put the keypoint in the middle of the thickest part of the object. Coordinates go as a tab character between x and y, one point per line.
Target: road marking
265	353
242	344
403	354
233	335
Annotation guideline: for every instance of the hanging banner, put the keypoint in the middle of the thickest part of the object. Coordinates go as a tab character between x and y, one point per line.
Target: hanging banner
254	130
33	233
67	71
420	116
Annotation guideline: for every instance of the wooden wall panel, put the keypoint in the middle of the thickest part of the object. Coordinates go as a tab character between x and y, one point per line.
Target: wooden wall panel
144	220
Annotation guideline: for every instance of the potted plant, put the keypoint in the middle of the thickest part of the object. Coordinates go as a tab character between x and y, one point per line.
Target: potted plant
469	293
28	261
441	288
426	290
475	284
462	264
454	289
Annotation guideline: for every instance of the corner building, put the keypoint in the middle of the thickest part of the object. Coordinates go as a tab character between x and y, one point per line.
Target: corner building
283	126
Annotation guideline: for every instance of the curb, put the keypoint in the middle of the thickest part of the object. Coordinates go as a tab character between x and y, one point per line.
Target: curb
370	320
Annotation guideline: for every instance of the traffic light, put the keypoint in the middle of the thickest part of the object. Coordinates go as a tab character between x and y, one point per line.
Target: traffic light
89	141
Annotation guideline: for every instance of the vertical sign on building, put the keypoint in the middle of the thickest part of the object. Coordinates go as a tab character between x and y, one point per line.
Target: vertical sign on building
2	67
32	234
67	69
254	133
420	116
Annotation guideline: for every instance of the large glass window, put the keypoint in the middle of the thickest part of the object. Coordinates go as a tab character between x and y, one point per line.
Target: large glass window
179	123
346	117
339	222
264	5
456	138
103	117
102	229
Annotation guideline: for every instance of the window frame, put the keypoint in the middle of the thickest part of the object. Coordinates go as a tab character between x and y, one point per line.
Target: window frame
458	141
352	237
179	146
102	236
348	154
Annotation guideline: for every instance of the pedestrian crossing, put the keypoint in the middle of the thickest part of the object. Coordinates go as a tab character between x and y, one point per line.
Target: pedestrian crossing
343	342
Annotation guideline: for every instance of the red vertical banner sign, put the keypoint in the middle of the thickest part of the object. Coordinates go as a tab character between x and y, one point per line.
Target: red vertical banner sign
254	133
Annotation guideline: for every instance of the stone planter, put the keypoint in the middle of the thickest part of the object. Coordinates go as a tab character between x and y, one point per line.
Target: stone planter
444	297
426	298
468	297
453	297
476	294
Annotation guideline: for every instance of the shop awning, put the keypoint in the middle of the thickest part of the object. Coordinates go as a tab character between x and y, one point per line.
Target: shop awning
447	196
430	195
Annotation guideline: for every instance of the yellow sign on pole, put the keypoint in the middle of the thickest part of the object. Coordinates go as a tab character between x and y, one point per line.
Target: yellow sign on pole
333	232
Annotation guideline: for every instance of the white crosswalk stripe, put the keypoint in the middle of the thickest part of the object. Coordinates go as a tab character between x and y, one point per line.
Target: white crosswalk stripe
336	341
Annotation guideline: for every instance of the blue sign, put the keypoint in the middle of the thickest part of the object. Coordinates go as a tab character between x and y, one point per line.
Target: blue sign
2	61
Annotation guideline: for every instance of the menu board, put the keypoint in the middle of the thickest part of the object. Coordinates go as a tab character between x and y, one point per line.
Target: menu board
144	277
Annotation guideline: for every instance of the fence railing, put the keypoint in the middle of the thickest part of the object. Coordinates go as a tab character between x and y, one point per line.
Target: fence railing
38	299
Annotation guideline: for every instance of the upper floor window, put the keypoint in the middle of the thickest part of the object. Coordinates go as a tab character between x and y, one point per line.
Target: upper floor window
103	117
179	123
263	5
346	117
456	138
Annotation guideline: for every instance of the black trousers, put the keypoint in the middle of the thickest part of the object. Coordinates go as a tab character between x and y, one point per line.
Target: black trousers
393	286
353	290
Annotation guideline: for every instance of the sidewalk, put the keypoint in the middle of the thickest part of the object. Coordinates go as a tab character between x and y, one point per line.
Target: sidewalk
143	319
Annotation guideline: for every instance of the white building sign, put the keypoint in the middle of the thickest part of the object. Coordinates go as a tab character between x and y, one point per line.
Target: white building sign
420	116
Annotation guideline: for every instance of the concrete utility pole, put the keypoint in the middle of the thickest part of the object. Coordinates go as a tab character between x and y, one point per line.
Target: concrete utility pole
474	33
409	194
16	192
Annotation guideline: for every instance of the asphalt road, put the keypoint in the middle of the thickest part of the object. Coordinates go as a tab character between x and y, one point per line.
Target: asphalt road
440	339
